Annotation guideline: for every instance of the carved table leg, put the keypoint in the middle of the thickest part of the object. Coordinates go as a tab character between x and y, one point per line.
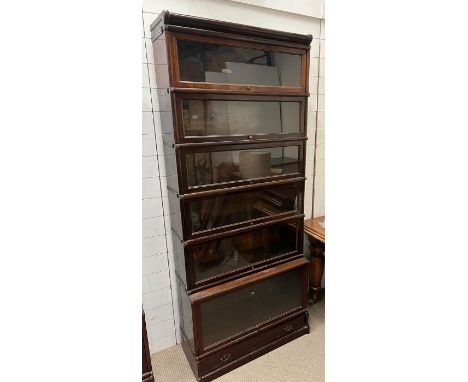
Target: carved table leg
317	261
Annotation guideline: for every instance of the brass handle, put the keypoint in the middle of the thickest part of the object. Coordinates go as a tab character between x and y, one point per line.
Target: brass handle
288	328
225	357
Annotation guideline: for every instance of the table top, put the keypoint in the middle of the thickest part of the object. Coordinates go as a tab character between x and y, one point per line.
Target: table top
315	228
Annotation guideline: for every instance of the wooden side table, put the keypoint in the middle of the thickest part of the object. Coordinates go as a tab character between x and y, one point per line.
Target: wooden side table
315	230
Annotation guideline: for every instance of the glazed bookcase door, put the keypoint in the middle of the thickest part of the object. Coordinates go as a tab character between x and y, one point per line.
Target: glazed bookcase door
220	259
232	65
218	166
216	212
215	117
241	307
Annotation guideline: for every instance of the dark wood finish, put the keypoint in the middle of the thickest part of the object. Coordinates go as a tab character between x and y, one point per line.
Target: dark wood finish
315	230
295	224
248	280
167	18
197	299
183	238
246	271
185	201
147	371
182	153
239	188
245	138
256	279
223	33
212	365
217	39
176	83
229	231
317	263
219	358
273	142
237	90
194	302
232	36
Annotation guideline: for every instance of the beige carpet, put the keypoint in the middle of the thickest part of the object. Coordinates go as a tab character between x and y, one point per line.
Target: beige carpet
302	360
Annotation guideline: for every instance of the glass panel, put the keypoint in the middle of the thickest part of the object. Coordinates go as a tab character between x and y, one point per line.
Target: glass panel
228	166
203	62
235	252
219	211
225	316
205	117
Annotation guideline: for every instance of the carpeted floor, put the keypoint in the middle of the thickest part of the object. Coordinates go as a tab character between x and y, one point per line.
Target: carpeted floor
302	360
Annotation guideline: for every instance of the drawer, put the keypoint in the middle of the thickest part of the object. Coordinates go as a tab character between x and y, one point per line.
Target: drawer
218	117
206	167
212	213
213	260
253	343
203	62
237	308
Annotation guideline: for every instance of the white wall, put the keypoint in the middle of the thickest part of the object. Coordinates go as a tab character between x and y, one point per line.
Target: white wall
319	184
159	285
301	7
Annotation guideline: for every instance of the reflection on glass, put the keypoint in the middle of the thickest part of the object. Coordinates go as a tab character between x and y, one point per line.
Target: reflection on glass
232	313
235	252
219	211
202	62
205	117
228	166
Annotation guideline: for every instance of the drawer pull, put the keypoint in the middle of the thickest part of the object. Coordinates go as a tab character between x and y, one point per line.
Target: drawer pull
287	328
225	357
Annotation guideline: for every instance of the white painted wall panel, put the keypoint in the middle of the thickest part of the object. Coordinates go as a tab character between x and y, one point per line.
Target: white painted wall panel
151	188
154	264
150	166
300	7
147	122
319	178
146	100
156	281
161	329
156	315
153	227
152	207
154	245
157	298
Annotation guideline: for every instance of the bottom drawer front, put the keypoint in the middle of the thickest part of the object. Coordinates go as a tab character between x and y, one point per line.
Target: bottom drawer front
258	340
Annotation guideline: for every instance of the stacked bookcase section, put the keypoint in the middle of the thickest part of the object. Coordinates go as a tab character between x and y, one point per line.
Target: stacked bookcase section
233	106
